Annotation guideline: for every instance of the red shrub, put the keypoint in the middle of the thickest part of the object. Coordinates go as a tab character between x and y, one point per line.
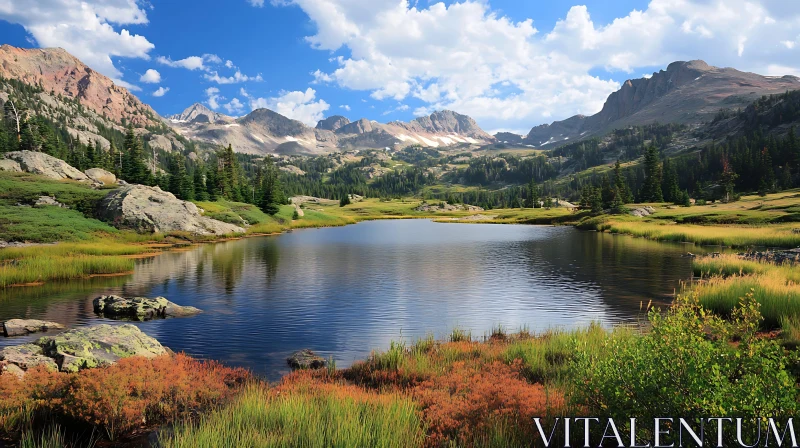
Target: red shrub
137	391
121	398
464	403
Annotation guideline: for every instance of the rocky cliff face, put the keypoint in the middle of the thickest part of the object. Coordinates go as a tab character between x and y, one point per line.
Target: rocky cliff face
446	122
686	92
361	126
332	123
63	74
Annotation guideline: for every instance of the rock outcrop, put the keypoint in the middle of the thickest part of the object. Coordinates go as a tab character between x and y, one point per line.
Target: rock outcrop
81	348
641	212
10	165
140	308
101	176
19	358
44	201
45	165
306	359
445	207
332	123
149	209
21	327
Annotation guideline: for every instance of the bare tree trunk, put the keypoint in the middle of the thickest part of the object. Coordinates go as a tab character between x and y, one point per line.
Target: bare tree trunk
16	119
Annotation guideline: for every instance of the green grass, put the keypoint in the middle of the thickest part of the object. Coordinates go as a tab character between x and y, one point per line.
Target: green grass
305	419
729	279
772	235
47	268
49	223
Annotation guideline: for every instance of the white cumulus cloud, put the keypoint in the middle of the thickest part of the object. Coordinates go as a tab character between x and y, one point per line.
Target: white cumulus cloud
213	97
507	73
236	78
298	105
234	107
151	77
161	91
88	29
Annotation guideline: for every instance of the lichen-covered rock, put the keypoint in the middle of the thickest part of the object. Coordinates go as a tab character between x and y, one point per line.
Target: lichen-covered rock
643	211
10	165
24	357
306	359
141	308
48	200
99	345
46	165
21	327
101	176
149	209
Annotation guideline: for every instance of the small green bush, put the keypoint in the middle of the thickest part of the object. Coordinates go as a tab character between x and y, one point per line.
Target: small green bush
691	364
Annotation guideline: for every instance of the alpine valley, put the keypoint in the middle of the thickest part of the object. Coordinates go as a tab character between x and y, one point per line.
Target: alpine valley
652	272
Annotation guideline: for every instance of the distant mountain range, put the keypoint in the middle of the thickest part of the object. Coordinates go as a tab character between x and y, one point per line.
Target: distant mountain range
263	131
686	92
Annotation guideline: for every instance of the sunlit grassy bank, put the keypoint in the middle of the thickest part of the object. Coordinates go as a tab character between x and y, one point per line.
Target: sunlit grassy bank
307	413
727	278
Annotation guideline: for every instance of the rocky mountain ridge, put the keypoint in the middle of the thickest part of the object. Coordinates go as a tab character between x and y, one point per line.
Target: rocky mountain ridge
67	91
264	131
686	92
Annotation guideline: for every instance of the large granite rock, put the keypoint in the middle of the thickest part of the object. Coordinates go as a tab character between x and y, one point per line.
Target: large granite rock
140	308
306	359
101	176
10	165
45	165
24	357
81	348
21	327
641	212
149	209
100	345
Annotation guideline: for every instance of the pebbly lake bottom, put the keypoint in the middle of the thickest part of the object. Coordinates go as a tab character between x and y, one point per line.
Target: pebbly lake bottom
346	291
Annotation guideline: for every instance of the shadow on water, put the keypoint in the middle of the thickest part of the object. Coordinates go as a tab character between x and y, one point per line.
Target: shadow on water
346	291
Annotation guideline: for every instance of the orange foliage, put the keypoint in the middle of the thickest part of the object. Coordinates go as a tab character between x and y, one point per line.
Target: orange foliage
463	403
126	396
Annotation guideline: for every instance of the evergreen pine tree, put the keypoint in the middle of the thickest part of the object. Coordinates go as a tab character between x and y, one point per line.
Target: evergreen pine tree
345	200
728	179
134	167
179	183
669	187
114	160
198	179
651	190
606	192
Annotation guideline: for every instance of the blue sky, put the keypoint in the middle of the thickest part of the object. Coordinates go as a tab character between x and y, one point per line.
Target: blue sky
509	64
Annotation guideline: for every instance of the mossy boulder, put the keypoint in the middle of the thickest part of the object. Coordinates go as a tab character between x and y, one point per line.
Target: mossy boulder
140	308
99	345
306	359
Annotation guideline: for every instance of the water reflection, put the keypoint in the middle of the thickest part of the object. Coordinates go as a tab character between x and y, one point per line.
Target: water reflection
346	291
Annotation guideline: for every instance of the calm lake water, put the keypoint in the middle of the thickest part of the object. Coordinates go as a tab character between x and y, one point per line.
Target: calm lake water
349	290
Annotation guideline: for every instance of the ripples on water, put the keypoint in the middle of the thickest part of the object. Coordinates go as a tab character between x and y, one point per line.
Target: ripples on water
346	291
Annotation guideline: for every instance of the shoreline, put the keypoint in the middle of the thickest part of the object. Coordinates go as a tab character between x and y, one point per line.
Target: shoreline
655	229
